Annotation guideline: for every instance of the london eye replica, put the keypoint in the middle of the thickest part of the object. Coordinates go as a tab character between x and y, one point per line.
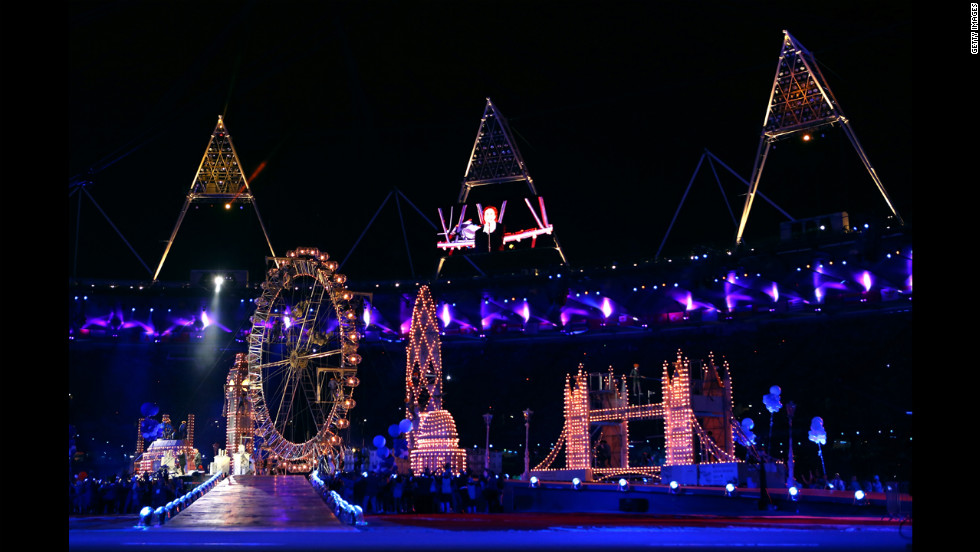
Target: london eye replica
302	359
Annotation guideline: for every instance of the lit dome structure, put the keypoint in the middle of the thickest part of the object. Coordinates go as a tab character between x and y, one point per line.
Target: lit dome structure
437	444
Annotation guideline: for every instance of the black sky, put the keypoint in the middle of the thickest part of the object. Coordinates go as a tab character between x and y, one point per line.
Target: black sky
612	105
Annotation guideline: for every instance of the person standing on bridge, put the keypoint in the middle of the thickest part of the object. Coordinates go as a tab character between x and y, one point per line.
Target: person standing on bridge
603	454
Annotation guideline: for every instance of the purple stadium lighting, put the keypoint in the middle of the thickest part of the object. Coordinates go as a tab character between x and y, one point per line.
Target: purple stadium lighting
865	280
607	309
445	316
733	293
486	317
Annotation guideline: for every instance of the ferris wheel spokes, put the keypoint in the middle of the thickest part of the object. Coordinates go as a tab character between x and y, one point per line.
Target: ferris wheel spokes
288	361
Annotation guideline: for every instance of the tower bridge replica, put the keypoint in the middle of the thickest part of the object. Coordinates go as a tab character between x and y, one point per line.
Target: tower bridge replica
696	411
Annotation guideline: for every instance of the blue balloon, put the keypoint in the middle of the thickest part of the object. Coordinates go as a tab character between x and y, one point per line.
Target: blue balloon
402	452
149	409
151	429
382	452
379	441
405	425
393	430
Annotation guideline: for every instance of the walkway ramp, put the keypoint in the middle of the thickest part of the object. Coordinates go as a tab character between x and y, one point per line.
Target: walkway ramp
259	502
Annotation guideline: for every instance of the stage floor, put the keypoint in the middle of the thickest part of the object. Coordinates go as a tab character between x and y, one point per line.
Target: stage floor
284	513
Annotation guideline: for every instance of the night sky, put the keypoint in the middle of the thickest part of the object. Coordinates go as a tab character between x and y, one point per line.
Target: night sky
333	105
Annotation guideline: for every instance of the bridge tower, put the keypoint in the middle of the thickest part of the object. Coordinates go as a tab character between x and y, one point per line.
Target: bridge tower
711	402
577	447
678	415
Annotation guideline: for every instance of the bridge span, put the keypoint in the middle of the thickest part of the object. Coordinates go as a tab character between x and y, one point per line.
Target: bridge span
259	502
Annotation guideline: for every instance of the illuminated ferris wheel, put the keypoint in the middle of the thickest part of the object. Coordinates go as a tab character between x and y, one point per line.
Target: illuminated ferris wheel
302	357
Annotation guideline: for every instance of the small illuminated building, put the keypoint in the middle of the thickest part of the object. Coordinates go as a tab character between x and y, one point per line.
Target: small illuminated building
165	452
433	441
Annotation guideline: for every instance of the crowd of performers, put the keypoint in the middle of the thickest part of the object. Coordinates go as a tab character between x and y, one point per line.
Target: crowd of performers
390	492
89	495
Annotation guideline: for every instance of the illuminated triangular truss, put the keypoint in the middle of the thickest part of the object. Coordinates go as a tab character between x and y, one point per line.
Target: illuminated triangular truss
800	101
496	160
219	178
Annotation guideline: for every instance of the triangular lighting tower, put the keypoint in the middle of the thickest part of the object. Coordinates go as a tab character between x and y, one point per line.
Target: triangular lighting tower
800	100
495	158
219	179
496	168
